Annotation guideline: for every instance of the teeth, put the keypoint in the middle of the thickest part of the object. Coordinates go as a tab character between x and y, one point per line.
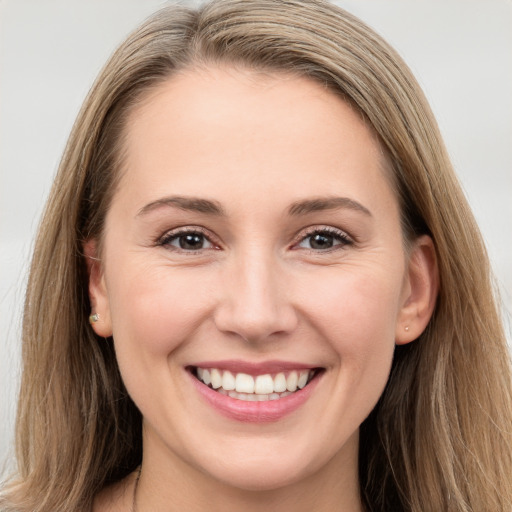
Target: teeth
206	377
264	385
291	382
280	383
260	388
303	380
216	378
244	383
228	381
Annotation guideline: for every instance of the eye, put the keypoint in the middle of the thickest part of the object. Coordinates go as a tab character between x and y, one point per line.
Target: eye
186	241
324	239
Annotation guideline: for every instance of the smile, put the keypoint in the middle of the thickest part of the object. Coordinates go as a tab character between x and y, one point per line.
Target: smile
254	388
252	392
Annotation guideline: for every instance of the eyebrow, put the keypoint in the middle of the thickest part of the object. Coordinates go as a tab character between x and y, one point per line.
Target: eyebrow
326	203
303	207
194	204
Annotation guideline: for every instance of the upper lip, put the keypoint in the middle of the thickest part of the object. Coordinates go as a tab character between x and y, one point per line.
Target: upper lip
254	368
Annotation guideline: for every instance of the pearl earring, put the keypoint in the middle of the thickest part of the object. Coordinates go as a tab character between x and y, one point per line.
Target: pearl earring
94	318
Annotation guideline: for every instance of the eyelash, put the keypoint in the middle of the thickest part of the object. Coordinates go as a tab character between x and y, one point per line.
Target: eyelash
167	238
337	235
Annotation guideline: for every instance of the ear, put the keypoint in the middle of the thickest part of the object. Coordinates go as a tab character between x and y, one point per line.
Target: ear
419	295
98	295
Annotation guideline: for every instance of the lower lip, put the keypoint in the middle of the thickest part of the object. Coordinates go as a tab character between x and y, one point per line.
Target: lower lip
254	412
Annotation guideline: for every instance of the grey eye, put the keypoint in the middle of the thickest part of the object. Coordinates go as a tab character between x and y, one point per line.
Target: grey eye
321	241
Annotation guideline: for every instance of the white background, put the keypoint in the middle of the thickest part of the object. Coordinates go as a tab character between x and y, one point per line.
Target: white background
51	51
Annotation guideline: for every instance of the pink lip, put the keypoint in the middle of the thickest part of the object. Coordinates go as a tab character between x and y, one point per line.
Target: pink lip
238	366
253	412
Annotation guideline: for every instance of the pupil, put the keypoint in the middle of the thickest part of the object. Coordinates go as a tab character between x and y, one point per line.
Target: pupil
192	241
320	241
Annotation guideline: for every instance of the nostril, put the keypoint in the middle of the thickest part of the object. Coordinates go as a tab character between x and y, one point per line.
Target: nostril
252	304
256	325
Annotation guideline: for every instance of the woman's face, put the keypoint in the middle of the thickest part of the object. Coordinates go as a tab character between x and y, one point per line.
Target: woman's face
254	242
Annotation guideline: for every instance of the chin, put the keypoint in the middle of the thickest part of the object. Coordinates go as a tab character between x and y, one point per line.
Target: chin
261	479
262	471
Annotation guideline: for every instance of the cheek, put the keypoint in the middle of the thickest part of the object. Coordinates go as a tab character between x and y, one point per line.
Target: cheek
360	322
359	299
355	310
155	313
156	310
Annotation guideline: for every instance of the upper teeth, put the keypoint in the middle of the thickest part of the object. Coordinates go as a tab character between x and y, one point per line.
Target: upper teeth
261	384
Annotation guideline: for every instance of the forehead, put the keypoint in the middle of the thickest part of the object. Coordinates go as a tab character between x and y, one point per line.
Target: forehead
205	130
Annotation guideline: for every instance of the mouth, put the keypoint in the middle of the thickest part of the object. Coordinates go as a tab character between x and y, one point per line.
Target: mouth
258	387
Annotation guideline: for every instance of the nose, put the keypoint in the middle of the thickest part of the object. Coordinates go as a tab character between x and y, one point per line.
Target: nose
255	301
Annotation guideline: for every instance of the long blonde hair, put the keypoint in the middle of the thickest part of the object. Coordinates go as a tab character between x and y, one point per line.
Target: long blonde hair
440	438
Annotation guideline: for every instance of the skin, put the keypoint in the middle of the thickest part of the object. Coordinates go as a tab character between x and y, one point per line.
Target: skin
257	289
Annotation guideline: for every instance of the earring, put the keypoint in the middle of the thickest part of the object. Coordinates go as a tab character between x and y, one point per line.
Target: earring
94	318
406	328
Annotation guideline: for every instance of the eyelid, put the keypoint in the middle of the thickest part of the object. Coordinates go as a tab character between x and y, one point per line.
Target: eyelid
165	238
309	231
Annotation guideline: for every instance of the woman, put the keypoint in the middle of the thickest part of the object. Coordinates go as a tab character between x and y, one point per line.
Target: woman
257	285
